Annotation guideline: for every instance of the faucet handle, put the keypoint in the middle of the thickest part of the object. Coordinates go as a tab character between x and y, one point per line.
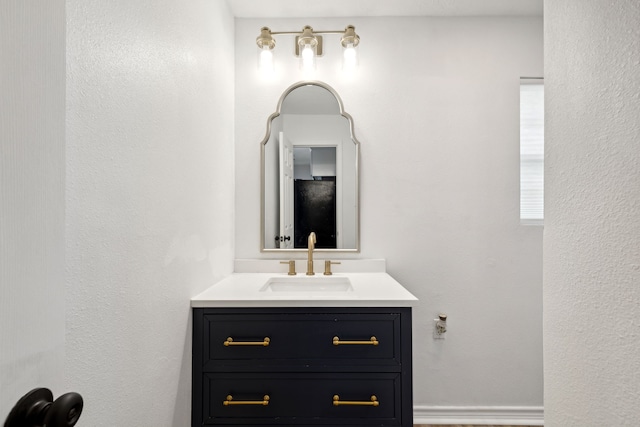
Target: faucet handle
292	266
327	267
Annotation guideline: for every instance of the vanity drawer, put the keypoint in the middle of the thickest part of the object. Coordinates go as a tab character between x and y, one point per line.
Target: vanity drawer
302	399
301	339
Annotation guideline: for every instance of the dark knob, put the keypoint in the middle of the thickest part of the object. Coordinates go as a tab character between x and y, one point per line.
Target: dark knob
37	408
65	411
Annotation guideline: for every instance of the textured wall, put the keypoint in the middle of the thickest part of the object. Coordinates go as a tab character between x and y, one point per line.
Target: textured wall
149	198
32	99
592	226
439	125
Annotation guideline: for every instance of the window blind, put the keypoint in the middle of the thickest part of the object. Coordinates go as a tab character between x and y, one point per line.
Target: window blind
531	151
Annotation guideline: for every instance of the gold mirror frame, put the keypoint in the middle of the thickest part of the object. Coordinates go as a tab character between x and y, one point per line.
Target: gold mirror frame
263	169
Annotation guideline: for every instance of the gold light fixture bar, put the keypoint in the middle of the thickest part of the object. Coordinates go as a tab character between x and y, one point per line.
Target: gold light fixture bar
307	35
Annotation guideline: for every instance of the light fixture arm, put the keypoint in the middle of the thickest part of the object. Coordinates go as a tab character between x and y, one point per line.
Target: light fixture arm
277	33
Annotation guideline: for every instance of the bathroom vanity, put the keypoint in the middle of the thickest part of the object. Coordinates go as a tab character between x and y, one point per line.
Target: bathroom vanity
272	349
276	348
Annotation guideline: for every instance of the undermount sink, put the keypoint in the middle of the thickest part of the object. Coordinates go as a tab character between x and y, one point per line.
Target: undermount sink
307	284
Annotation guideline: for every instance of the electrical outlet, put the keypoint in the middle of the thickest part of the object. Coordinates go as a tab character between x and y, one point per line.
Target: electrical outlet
439	327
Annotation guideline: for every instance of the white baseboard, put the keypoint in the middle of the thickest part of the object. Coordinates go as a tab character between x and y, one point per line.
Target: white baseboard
479	415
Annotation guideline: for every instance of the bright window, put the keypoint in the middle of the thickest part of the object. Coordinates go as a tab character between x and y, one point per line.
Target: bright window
531	151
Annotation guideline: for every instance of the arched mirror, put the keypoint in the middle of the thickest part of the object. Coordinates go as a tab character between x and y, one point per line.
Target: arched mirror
310	173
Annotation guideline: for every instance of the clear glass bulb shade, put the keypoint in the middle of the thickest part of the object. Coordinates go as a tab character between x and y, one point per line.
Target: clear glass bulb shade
265	60
349	57
308	57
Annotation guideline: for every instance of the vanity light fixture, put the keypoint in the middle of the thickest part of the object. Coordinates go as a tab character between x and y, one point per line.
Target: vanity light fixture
350	41
265	43
308	46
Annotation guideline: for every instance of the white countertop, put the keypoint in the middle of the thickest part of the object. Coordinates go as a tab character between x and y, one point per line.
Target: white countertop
367	289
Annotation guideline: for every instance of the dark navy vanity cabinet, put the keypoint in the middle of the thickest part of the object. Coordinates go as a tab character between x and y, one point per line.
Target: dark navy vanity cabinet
302	367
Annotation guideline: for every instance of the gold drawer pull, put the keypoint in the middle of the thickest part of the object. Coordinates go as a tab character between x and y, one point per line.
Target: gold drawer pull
372	341
262	343
230	401
338	402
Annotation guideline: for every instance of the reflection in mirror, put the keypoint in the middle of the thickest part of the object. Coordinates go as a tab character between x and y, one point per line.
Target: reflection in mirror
310	172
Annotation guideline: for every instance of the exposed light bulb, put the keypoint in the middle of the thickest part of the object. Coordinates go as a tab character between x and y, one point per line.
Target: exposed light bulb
265	60
349	58
308	58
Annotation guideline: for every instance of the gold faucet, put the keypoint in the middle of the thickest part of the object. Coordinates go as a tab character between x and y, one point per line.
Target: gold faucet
311	241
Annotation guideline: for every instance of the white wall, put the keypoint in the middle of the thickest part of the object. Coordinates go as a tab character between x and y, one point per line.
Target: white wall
149	198
591	250
32	169
438	120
